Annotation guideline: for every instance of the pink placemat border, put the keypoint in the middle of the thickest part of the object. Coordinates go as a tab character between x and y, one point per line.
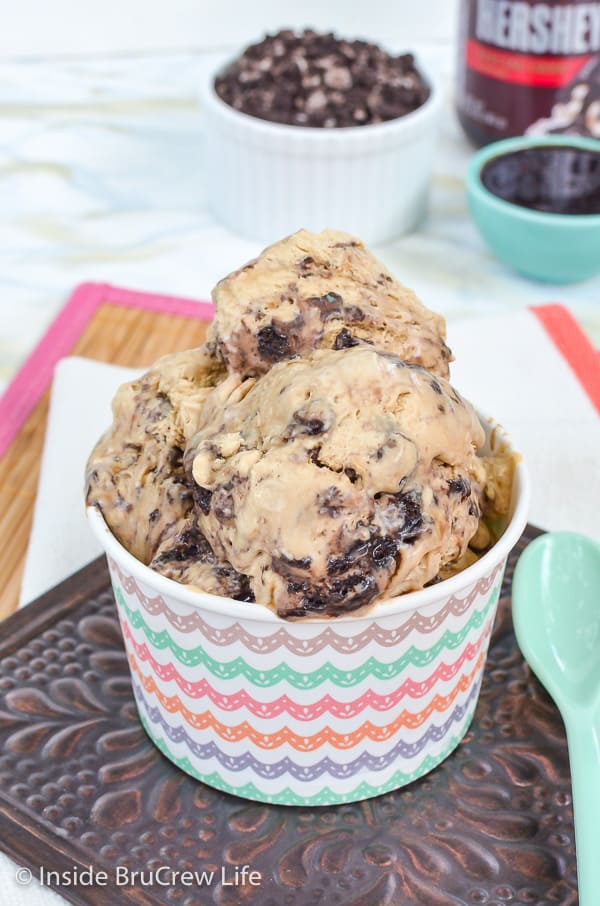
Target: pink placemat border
34	376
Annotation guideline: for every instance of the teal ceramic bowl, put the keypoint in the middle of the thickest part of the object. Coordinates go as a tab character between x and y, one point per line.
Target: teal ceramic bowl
555	248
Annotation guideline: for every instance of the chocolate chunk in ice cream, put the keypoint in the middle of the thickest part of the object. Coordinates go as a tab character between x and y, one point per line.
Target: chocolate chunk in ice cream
337	478
314	290
187	557
311	79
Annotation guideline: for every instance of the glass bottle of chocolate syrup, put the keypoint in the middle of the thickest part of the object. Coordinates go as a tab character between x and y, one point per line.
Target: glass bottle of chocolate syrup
528	67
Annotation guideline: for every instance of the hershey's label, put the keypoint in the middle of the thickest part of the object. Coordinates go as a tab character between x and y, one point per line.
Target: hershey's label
539	28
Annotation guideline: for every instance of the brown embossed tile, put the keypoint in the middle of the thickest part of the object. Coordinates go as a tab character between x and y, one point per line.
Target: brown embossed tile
81	785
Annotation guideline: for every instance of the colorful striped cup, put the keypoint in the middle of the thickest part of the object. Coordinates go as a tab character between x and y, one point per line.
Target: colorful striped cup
312	712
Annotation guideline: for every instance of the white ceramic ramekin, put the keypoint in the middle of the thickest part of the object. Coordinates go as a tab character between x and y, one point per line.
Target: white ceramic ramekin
316	711
266	180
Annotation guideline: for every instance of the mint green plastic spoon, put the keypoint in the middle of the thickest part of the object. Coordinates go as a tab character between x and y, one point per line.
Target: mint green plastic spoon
556	614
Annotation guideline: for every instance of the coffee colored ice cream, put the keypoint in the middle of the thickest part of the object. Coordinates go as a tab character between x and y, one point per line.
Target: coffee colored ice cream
135	473
320	290
337	478
187	557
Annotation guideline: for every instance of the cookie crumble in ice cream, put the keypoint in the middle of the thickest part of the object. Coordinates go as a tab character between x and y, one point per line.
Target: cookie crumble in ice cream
313	455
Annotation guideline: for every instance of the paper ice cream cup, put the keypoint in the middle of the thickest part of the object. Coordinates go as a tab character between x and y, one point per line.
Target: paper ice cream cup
316	711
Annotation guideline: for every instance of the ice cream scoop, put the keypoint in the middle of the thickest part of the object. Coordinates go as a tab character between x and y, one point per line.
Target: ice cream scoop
556	613
337	478
320	291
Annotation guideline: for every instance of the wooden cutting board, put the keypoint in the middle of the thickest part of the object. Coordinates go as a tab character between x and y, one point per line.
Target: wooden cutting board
100	322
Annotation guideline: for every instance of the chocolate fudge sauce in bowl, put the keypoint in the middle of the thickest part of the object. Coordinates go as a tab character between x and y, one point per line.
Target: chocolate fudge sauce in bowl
536	202
558	179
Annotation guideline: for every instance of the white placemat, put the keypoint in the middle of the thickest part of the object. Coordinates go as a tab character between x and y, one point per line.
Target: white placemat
60	542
